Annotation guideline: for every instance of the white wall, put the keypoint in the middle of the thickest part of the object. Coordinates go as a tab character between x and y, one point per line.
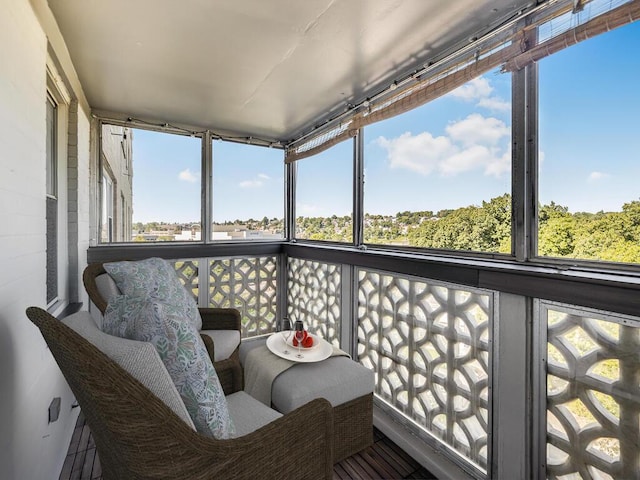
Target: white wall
30	447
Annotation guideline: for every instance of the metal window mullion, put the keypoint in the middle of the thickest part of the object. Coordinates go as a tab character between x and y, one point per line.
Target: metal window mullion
519	225
290	201
358	188
532	194
206	207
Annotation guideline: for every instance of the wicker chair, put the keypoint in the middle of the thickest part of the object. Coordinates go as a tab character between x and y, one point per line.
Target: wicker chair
229	370
140	437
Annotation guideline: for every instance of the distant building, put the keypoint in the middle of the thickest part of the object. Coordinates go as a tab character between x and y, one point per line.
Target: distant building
116	199
192	235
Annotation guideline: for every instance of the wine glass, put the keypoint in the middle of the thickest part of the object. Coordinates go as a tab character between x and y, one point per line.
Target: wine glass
299	336
286	334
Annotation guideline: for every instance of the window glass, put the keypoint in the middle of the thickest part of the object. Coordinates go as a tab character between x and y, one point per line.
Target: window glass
52	202
439	176
248	192
324	195
107	208
153	177
589	199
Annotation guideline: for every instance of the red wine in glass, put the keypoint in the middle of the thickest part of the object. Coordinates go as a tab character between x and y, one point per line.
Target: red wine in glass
299	336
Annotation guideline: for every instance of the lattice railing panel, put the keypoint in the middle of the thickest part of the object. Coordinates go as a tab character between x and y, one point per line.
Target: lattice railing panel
429	346
314	297
593	394
187	271
250	285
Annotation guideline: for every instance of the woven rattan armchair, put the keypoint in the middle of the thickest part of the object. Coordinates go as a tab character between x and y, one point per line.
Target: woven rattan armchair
229	370
139	437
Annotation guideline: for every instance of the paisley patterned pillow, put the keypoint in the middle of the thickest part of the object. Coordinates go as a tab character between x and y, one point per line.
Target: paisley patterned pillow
155	278
183	353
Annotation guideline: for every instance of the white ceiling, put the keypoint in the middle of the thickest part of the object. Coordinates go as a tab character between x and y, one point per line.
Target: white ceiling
263	68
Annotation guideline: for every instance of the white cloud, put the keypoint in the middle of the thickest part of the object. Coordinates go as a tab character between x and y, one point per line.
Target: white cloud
471	144
495	103
188	176
473	90
479	91
476	129
251	183
256	182
420	153
595	176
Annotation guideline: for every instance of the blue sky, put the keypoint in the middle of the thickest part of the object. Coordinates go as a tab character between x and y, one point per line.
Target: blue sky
450	153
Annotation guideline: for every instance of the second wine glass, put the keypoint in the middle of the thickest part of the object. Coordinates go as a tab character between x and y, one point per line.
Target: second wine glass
299	336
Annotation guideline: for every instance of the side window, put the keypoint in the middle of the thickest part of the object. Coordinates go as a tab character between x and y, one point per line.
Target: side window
52	201
589	202
248	186
151	185
324	195
108	200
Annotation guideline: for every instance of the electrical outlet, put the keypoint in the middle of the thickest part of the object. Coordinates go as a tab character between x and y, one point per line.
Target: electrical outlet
54	409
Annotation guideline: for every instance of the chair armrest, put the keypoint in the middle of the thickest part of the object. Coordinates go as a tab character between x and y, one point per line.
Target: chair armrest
230	373
297	445
220	318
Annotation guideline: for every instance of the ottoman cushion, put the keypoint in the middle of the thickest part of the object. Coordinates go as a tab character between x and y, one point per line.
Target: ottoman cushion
338	379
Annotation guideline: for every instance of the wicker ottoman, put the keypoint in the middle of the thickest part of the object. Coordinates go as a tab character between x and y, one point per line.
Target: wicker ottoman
346	384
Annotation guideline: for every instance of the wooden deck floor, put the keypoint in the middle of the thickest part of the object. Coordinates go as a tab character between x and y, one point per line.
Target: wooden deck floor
384	460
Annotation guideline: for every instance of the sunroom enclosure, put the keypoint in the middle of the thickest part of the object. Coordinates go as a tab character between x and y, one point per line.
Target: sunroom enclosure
512	358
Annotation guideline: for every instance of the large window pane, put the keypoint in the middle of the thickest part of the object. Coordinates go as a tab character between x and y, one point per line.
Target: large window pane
52	202
324	195
248	192
154	178
589	204
439	176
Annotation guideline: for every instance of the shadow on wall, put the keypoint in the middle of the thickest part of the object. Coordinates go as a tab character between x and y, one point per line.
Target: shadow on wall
8	390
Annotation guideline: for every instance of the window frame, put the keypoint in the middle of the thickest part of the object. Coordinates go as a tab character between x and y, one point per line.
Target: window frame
58	96
206	183
524	231
531	196
356	196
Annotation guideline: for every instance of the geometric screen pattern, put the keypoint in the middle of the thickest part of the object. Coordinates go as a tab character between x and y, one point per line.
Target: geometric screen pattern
593	394
429	347
313	296
187	271
250	285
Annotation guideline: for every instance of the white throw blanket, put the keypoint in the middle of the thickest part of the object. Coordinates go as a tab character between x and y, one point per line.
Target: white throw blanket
262	367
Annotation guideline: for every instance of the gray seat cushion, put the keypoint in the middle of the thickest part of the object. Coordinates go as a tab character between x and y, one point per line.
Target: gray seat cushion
224	342
338	379
248	414
140	359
